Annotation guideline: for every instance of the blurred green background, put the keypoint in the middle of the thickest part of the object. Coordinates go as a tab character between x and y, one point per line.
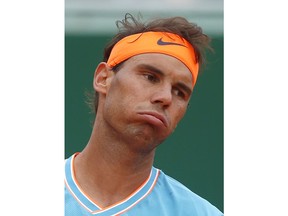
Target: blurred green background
194	153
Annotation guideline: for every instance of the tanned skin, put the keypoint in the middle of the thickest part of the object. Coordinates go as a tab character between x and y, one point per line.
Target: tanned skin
139	107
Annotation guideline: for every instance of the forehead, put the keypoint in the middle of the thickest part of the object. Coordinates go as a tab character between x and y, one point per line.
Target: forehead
168	65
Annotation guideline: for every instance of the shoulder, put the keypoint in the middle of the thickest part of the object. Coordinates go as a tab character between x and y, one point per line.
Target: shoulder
183	197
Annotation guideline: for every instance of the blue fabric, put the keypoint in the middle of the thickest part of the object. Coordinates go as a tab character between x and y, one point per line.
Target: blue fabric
161	195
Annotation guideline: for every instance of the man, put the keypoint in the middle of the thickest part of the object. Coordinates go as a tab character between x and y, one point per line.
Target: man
142	90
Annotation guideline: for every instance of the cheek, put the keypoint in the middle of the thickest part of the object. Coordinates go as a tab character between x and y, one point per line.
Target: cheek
126	90
177	114
120	98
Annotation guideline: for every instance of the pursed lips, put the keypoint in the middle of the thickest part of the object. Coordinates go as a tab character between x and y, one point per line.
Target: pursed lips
156	115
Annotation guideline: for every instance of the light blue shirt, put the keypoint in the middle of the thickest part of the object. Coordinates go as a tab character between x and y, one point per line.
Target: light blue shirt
160	195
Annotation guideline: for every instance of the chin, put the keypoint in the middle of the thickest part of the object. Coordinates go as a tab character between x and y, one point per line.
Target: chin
146	135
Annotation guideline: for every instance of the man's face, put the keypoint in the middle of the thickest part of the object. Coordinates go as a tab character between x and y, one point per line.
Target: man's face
147	98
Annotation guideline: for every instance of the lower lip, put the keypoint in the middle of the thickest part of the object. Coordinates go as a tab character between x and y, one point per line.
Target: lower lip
152	120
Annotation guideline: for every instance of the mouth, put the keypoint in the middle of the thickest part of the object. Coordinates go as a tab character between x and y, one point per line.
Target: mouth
155	118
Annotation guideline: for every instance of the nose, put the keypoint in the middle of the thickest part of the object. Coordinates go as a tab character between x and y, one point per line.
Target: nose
162	96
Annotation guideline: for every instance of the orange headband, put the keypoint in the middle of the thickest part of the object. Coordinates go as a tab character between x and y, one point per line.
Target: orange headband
155	42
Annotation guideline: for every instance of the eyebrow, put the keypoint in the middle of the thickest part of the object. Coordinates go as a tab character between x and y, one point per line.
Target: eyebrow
151	68
161	73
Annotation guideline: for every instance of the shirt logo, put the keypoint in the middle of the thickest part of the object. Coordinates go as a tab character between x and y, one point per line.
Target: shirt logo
164	43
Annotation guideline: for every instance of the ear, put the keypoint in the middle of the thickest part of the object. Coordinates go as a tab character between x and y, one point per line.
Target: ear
102	78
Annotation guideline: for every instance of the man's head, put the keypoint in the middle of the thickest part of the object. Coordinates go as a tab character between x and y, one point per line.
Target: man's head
177	25
144	100
143	89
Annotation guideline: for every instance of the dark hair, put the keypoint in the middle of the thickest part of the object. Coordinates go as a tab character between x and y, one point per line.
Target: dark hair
177	25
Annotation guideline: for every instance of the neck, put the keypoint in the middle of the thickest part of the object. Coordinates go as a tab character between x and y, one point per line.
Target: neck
109	170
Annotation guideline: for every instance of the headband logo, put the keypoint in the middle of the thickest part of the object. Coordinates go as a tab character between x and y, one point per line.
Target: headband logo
164	43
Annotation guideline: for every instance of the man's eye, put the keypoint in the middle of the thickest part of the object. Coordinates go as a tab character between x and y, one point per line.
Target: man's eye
179	93
151	77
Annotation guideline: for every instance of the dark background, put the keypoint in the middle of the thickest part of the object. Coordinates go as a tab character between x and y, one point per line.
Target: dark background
193	154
